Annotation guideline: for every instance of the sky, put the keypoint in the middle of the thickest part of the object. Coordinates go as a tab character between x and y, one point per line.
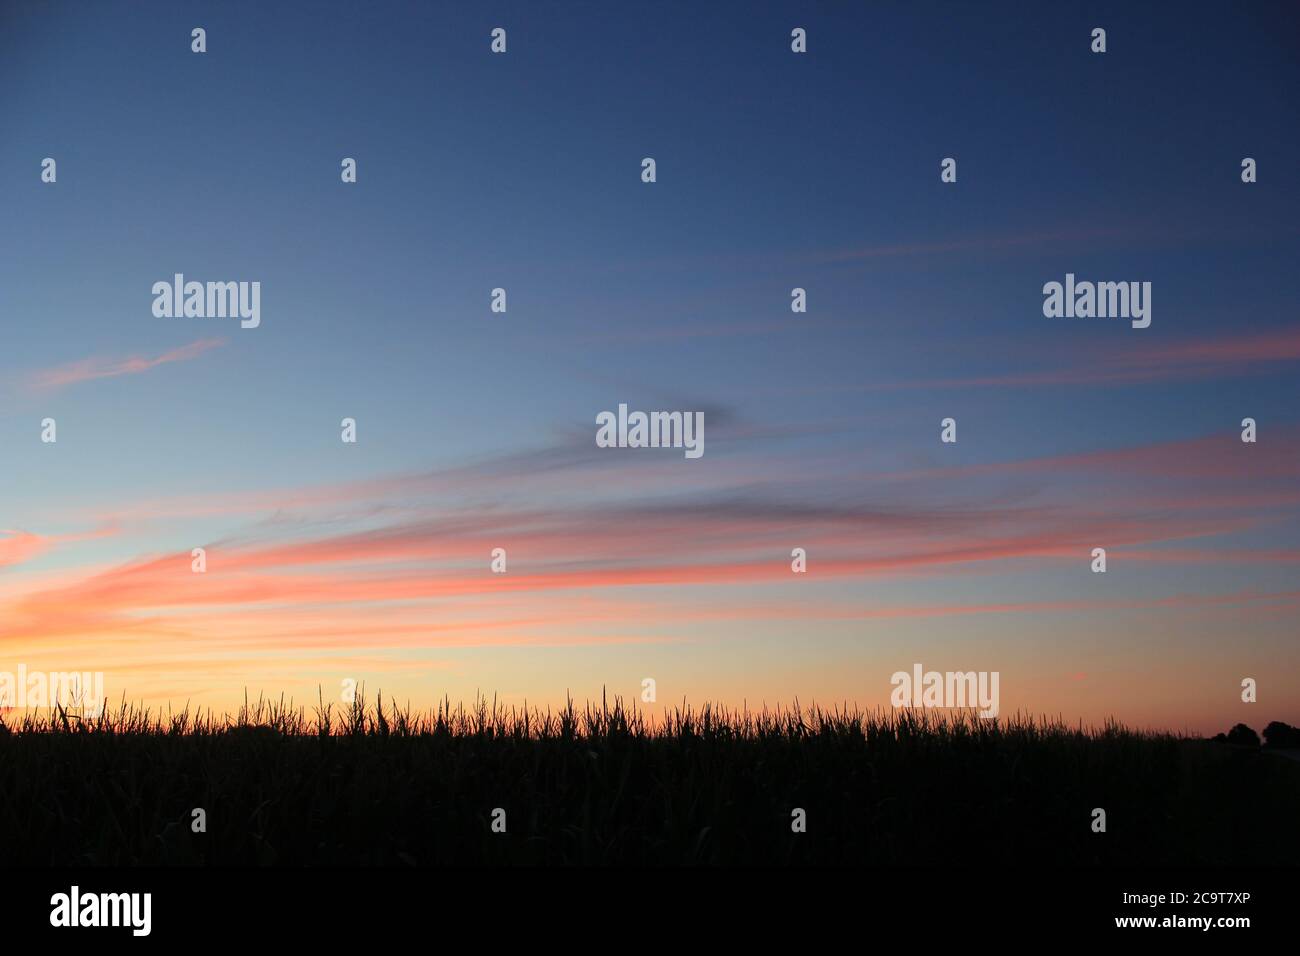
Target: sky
371	561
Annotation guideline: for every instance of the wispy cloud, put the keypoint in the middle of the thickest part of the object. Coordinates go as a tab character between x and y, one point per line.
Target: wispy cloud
1221	357
96	367
17	547
611	550
714	539
981	244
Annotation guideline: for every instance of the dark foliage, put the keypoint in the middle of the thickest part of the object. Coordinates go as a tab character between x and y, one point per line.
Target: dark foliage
600	785
1283	736
1243	736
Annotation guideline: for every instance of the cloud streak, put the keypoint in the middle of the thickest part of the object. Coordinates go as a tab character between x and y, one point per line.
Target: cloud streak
1198	359
97	367
603	552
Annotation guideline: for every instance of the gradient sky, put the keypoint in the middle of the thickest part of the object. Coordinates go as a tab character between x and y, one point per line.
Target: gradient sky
370	561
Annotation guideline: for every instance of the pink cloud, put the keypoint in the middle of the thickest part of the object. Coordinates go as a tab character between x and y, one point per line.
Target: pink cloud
1228	356
566	554
634	565
974	244
92	368
1221	457
19	546
1136	365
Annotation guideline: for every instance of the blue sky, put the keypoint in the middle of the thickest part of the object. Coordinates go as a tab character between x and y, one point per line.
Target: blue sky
775	170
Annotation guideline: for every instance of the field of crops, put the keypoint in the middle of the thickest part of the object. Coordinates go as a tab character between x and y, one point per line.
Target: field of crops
599	784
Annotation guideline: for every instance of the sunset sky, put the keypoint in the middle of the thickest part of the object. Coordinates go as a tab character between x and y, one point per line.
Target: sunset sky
370	561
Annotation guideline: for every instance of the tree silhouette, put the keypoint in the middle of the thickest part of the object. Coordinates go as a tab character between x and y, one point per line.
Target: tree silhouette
1278	734
1243	736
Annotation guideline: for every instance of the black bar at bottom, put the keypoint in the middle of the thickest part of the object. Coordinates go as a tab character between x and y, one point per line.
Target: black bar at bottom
302	906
